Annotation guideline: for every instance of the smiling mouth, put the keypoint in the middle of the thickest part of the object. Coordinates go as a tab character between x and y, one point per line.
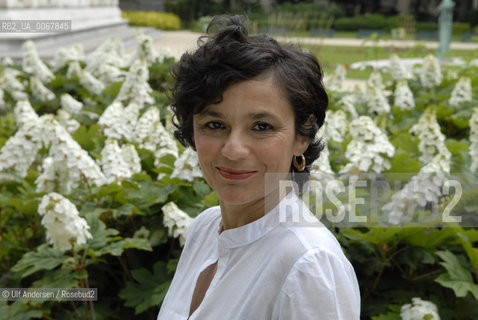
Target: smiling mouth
235	174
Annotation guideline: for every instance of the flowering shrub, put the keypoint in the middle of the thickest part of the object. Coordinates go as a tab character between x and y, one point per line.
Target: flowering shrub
92	180
96	192
416	136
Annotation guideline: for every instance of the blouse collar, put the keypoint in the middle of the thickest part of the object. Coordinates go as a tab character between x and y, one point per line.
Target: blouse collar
255	230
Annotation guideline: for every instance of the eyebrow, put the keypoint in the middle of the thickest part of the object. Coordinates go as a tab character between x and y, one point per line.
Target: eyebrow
253	116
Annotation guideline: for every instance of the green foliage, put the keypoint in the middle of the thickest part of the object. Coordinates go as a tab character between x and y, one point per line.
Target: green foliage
458	28
190	10
367	21
148	290
458	277
158	20
44	258
124	218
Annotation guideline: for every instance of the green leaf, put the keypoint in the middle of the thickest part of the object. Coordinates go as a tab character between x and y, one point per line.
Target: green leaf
168	160
108	189
457	278
150	193
62	278
101	235
117	248
125	210
44	258
377	236
210	199
455	147
428	237
388	316
407	143
27	206
403	162
18	310
470	251
148	290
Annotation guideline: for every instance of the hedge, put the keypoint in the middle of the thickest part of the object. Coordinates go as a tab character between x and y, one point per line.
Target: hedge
159	20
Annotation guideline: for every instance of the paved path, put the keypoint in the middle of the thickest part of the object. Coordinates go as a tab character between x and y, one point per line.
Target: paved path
177	42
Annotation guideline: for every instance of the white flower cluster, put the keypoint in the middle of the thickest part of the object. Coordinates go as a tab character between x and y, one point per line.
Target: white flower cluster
39	90
25	116
7	61
70	104
375	79
359	95
169	121
320	169
20	150
64	118
451	75
187	166
461	92
398	69
419	310
119	122
62	221
150	134
74	69
430	75
404	96
164	52
105	62
136	87
90	83
424	187
432	140
145	49
64	55
10	83
336	125
336	79
68	164
369	149
376	100
348	105
33	64
474	140
119	163
177	221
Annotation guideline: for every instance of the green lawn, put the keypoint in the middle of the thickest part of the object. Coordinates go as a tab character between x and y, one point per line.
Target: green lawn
330	56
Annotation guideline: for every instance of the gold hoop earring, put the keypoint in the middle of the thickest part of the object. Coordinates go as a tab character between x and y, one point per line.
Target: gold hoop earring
301	166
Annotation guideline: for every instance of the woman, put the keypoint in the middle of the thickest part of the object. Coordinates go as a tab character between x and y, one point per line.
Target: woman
251	109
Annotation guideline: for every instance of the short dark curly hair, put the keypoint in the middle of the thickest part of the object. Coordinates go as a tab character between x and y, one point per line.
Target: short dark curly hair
228	55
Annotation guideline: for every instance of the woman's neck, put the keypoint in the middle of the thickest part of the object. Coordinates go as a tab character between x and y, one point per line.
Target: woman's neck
234	216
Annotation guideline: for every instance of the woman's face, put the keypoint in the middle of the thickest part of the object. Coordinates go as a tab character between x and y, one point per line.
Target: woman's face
248	134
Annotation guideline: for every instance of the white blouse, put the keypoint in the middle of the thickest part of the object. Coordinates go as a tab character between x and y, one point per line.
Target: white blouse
284	265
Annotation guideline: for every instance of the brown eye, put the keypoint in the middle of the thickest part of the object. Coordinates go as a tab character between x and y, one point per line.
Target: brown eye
262	126
214	125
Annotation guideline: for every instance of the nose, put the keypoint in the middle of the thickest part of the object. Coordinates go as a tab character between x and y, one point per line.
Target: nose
235	147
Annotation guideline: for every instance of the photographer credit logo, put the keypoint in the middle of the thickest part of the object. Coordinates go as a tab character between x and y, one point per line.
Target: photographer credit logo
371	200
49	294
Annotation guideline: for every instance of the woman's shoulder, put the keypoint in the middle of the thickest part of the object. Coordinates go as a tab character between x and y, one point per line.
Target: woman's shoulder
311	234
204	222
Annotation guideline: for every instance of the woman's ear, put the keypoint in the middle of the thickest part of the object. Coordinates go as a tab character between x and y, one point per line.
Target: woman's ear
302	143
